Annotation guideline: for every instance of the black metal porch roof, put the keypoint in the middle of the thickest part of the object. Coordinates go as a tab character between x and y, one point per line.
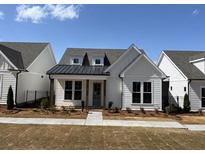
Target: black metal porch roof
77	70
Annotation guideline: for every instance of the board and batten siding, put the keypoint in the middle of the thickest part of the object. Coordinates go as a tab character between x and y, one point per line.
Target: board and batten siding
195	94
156	93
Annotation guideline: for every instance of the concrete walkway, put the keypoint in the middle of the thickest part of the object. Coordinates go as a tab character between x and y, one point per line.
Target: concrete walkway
96	119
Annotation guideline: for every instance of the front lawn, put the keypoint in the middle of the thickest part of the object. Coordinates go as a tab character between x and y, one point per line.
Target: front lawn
88	137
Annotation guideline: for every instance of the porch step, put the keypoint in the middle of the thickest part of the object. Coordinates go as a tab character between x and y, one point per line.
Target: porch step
94	118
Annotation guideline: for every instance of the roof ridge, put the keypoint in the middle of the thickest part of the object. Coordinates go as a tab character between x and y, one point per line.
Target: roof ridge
183	50
28	42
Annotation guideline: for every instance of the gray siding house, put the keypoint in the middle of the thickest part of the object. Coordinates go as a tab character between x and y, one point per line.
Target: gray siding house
126	77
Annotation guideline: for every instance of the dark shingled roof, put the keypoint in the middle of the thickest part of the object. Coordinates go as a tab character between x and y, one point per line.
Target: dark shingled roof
14	56
77	70
112	54
29	51
182	60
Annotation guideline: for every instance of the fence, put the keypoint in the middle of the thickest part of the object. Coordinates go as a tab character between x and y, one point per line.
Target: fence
35	95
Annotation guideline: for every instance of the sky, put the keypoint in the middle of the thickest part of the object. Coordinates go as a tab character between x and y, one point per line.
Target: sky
150	27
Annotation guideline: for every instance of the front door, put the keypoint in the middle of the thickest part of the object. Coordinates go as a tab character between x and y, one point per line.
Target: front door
96	95
203	97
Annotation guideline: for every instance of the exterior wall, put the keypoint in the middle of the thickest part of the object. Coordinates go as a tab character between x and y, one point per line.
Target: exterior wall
142	71
36	78
176	80
195	94
59	93
8	78
156	93
200	65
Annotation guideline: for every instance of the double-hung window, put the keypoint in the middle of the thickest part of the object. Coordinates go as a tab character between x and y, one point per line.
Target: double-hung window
68	90
78	90
136	92
203	97
147	93
73	90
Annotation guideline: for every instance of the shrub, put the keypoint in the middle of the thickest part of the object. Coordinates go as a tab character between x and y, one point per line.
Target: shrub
128	110
44	103
172	108
142	110
10	99
156	110
117	110
187	107
110	105
200	112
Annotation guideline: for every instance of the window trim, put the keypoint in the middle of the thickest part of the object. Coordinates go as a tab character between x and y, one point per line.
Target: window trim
73	90
101	61
76	57
136	92
147	92
201	95
142	92
68	90
78	90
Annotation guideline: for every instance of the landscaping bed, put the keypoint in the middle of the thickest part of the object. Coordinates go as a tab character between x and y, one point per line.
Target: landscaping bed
136	115
42	113
191	118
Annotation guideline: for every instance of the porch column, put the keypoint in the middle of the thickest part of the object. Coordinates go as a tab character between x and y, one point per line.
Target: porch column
104	96
87	92
51	92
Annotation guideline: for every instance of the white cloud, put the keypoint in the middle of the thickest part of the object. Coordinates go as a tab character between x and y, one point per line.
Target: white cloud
36	13
64	12
195	12
1	15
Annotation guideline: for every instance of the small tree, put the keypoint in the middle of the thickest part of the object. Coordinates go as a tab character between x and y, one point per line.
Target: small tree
187	107
10	99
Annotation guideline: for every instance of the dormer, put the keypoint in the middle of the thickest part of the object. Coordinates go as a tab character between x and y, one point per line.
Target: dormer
98	61
199	63
76	60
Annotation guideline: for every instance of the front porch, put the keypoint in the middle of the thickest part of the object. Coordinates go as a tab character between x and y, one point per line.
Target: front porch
71	90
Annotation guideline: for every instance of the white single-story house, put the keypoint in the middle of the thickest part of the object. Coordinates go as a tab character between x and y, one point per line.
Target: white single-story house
126	77
23	66
186	72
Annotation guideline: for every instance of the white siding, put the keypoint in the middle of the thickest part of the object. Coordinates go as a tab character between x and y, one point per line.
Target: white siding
195	94
176	80
200	65
8	80
36	78
156	93
59	92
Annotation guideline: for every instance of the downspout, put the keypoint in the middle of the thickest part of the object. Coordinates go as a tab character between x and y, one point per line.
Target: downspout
16	91
121	90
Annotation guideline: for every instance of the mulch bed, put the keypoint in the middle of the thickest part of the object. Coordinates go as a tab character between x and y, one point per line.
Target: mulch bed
42	113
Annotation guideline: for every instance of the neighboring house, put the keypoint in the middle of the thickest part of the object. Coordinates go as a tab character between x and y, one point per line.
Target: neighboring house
186	71
23	66
126	77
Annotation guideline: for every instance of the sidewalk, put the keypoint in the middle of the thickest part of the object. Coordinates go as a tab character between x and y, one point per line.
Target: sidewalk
96	119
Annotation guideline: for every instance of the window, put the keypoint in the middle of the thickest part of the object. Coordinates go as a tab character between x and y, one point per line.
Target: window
147	94
203	97
97	61
136	92
184	88
1	80
76	60
68	90
78	90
